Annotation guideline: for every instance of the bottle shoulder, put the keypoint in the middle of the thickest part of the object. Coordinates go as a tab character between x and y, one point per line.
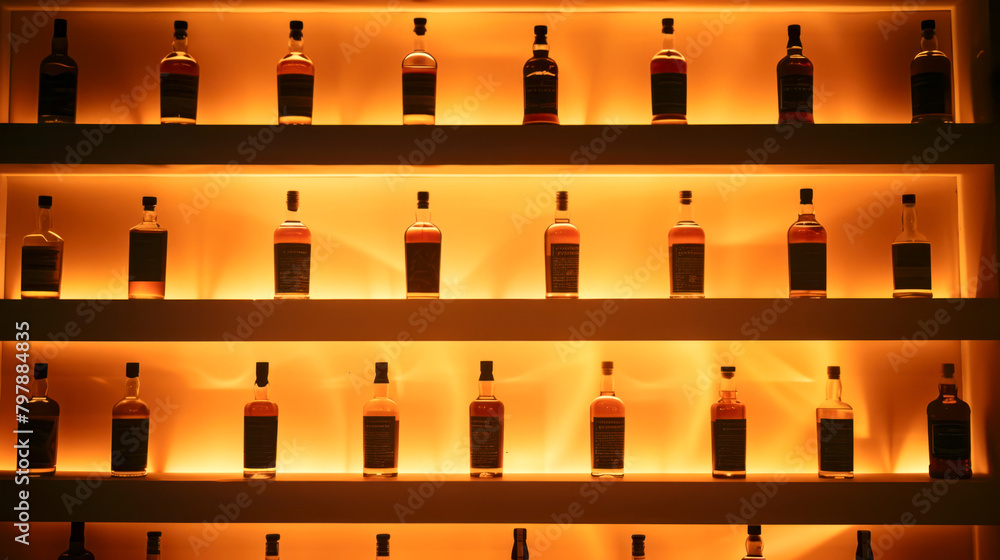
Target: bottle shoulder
131	406
419	59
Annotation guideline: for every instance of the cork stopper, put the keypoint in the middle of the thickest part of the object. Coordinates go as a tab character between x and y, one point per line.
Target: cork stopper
486	370
153	542
262	368
295	30
562	201
541	31
948	370
423	200
833	372
805	196
41	371
685	197
638	545
794	36
132	370
909	199
292	201
382	373
753	529
180	29
607	367
45	201
420	26
60	29
668	26
149	203
271	549
382	544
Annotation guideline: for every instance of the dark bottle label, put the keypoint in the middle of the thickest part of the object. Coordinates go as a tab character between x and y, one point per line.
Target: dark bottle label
178	96
807	266
295	95
485	433
836	445
40	270
380	441
795	94
129	444
419	91
950	440
147	256
564	268
609	443
687	268
669	93
423	267
57	96
541	95
42	442
930	93
291	268
729	441
260	442
911	266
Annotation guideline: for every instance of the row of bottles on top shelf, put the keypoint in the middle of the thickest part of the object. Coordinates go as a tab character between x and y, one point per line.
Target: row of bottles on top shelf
42	254
948	429
930	81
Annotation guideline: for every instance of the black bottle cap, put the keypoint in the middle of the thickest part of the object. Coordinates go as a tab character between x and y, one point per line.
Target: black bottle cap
668	25
794	30
948	370
927	24
423	200
541	30
486	370
753	529
728	372
382	373
76	531
382	544
153	542
420	26
60	28
909	199
295	25
805	196
864	536
562	201
41	371
180	24
132	370
271	549
685	194
292	200
148	202
638	546
262	368
833	372
728	368
45	201
607	365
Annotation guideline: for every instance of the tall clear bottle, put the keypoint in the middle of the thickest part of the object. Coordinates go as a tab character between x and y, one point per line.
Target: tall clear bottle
607	428
520	549
153	545
638	547
486	428
57	81
422	241
795	82
930	80
541	82
43	423
41	257
754	543
687	254
76	550
419	80
271	546
949	438
911	256
668	78
729	430
292	253
381	429
147	255
260	430
562	253
130	429
835	431
179	81
864	550
806	252
382	546
296	75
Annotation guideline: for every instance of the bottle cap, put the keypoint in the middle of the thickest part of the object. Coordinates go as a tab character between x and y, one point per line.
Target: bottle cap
423	200
805	196
382	374
833	372
419	21
668	25
154	534
271	549
153	542
927	24
728	372
562	201
262	368
948	370
180	24
292	200
382	544
607	365
753	529
864	536
76	531
60	28
420	26
909	199
295	25
794	30
685	194
541	30
729	368
638	546
41	371
148	201
132	370
45	201
486	370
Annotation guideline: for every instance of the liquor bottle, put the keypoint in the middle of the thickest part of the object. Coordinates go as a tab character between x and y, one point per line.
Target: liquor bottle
41	257
638	547
179	81
541	83
687	254
864	551
562	253
382	546
381	429
419	80
930	80
423	253
292	253
295	81
130	429
147	255
260	430
76	550
795	82
607	428
755	545
57	81
806	252
153	545
911	256
668	77
520	549
271	546
486	428
835	431
949	439
729	430
43	423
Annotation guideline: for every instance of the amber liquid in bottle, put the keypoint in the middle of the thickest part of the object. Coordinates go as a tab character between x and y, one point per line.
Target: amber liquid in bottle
835	431
292	253
486	428
754	543
422	241
930	80
76	550
687	254
179	81
607	429
729	430
795	82
130	429
541	83
260	430
57	81
147	255
562	253
43	423
911	256
806	252
949	438
419	80
381	429
668	78
41	257
296	75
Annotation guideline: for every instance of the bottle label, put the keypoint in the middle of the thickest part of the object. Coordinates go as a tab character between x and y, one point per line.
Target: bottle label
485	435
836	445
541	95
42	442
608	443
564	268
380	434
129	444
911	266
57	96
930	93
669	93
260	442
687	268
291	268
40	269
423	266
178	96
295	95
807	266
795	94
951	440
729	444
147	256
419	90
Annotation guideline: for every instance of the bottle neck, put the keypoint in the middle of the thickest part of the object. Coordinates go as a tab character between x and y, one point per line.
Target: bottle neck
687	212
562	216
948	389
486	391
423	215
381	390
727	389
909	218
76	539
928	41
149	216
132	388
294	45
152	557
60	45
44	219
833	389
607	384
180	45
806	211
292	215
540	48
668	41
40	388
419	43
755	546
259	393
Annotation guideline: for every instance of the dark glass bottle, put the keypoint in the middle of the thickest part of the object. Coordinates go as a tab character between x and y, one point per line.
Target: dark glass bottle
541	83
795	82
864	551
930	80
422	241
520	549
76	550
949	438
806	252
260	430
57	79
43	422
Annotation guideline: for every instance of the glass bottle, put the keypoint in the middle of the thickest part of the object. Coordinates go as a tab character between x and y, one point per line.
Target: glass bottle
930	80
607	428
864	551
486	428
911	256
130	429
668	78
381	429
638	547
179	81
795	82
292	253
57	78
76	550
419	80
296	75
835	431
147	255
949	439
806	252
562	253
729	430
754	544
520	549
42	257
687	254
541	83
260	430
153	545
422	241
43	424
382	546
271	546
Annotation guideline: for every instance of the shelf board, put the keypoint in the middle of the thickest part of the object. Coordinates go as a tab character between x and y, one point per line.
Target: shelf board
505	319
